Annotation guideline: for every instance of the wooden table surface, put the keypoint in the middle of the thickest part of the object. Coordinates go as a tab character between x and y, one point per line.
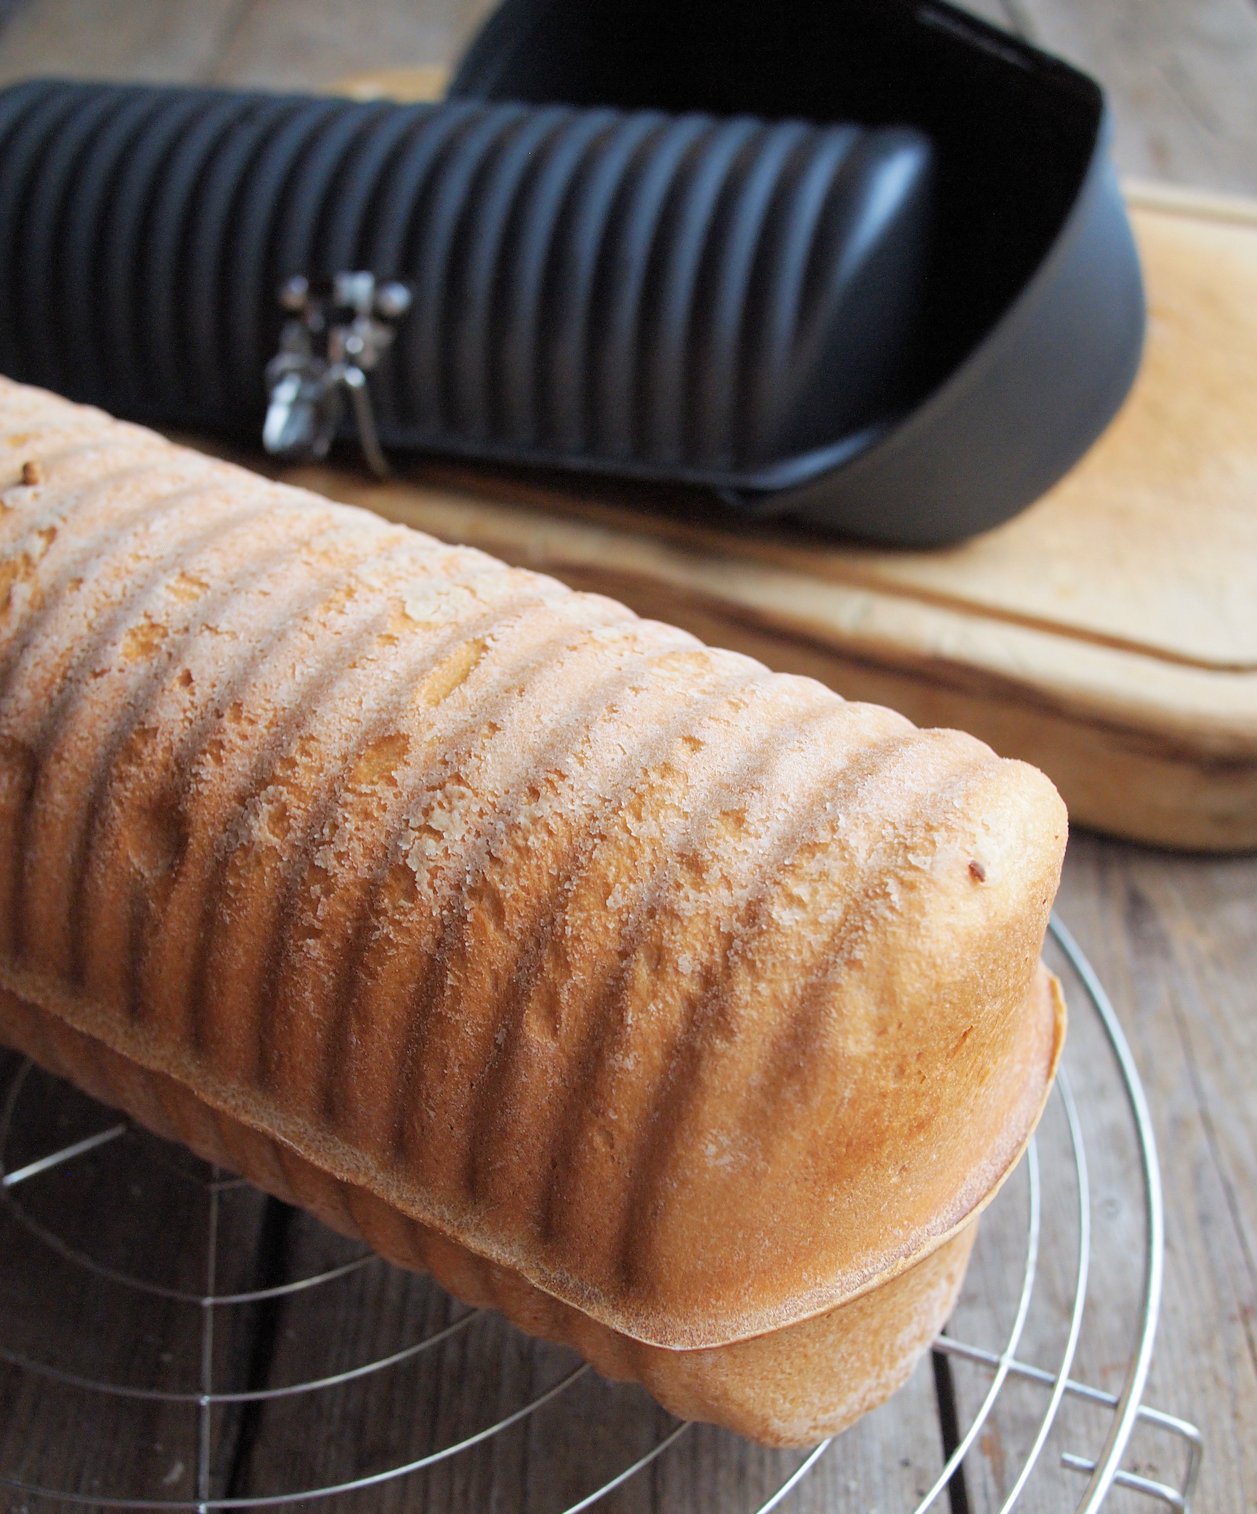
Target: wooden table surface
1174	938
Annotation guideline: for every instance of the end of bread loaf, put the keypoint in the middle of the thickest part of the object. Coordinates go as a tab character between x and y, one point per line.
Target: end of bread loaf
892	1103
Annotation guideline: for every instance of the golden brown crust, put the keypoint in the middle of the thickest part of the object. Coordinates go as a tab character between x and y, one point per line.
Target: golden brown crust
688	993
791	1386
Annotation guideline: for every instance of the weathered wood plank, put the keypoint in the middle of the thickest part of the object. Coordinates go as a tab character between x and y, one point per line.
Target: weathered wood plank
1170	940
140	1210
292	44
1177	943
1172	937
174	40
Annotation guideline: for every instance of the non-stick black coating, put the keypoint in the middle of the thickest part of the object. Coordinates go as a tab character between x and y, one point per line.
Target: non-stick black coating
673	297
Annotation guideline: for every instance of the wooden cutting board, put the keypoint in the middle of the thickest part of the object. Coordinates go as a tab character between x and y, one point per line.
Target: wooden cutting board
1109	634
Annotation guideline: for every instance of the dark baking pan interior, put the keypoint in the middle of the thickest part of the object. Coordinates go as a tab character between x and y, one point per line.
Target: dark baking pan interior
1030	329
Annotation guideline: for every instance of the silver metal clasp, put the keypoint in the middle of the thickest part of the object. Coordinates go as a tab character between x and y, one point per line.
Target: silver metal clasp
336	332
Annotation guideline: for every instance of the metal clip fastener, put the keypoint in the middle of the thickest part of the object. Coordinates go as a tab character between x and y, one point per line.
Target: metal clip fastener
336	332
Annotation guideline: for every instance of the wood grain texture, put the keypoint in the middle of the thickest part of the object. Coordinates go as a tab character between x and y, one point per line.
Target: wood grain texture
1158	933
1178	946
291	44
1176	938
1141	951
59	1308
170	40
271	44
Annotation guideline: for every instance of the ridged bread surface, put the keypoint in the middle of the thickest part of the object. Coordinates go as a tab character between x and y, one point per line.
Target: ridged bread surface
693	997
791	1387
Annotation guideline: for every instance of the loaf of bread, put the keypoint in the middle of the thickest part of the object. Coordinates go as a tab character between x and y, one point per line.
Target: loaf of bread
681	1010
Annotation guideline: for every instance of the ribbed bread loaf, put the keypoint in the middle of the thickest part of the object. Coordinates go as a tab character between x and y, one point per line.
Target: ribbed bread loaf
678	1008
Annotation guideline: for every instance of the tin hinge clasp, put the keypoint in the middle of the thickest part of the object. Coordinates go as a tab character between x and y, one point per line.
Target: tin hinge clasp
336	332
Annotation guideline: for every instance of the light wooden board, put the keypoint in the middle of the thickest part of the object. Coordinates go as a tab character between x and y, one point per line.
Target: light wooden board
1108	634
272	44
1175	937
169	40
291	44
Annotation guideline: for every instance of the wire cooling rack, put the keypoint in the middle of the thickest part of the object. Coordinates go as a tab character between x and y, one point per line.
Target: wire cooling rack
211	1349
